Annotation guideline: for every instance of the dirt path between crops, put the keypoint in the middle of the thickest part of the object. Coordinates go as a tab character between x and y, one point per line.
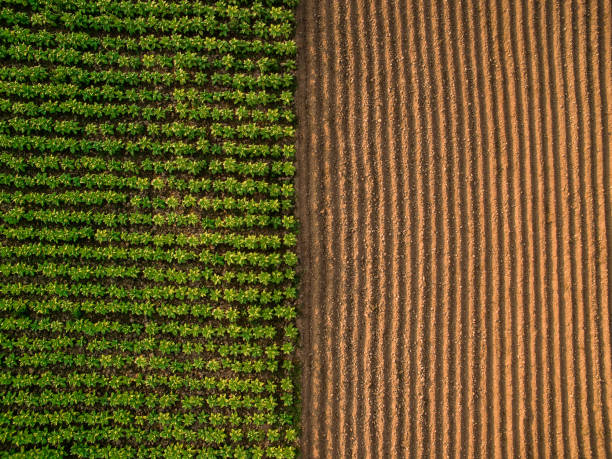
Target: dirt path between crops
454	197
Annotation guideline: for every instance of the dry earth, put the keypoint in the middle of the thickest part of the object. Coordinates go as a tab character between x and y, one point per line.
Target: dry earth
454	197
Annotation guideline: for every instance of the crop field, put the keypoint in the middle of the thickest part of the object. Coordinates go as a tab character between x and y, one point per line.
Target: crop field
147	229
322	229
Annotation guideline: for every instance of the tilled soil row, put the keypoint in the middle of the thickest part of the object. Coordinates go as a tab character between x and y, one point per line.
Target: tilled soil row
454	201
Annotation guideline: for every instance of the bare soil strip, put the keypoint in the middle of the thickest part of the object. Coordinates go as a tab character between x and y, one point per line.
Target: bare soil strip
454	199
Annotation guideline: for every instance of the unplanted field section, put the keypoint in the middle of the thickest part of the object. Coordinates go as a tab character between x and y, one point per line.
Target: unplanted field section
453	189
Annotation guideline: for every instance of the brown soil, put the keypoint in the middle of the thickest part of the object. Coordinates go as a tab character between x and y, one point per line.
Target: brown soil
454	197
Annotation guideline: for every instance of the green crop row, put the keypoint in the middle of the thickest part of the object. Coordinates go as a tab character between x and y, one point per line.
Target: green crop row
143	146
124	69
211	21
237	241
163	292
138	399
127	363
57	73
144	345
213	167
235	81
109	112
147	309
170	449
144	383
88	198
154	421
239	423
180	165
227	10
175	256
14	215
103	198
229	185
139	434
155	275
146	43
174	329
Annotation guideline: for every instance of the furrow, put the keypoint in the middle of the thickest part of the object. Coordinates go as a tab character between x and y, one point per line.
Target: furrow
366	269
602	89
407	210
364	259
357	190
328	200
575	249
343	210
414	82
445	421
549	343
424	222
381	203
309	234
431	305
588	223
537	231
392	180
490	256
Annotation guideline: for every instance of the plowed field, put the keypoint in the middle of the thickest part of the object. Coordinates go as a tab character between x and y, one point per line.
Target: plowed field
454	199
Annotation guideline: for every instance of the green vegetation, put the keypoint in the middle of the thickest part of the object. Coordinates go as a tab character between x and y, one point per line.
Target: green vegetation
147	229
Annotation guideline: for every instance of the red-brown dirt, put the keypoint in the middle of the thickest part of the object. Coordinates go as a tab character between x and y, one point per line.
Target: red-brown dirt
454	198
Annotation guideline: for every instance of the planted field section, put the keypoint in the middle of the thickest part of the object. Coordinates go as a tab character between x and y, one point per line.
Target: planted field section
147	231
